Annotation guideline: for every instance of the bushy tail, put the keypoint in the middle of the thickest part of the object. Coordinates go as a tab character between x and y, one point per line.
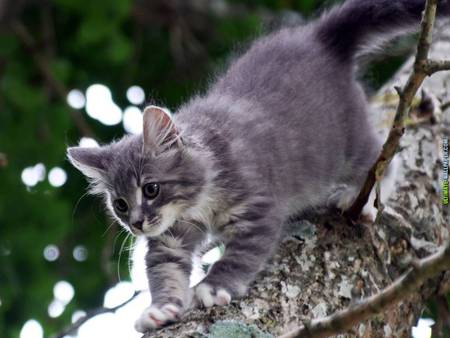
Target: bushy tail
346	28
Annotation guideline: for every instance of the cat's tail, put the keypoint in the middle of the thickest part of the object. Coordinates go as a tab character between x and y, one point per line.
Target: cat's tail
346	29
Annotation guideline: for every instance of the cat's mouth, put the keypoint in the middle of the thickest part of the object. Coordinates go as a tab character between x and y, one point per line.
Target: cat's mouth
153	223
155	228
151	228
165	218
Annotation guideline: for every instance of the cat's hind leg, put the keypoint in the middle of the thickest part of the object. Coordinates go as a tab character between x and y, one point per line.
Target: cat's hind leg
343	195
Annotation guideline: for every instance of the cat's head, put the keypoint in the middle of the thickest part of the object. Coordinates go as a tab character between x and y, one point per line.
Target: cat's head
149	180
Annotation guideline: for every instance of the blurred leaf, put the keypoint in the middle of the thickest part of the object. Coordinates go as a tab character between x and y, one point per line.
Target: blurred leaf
62	70
119	49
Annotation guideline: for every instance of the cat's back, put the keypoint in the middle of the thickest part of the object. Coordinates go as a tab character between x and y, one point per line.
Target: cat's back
288	109
284	65
293	96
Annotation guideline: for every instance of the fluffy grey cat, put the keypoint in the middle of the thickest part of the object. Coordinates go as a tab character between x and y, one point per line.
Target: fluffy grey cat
284	129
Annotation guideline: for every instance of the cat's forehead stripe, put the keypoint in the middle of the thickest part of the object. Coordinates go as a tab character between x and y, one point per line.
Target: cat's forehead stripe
139	196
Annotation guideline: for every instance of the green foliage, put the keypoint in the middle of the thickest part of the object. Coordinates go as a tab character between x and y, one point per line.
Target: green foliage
82	43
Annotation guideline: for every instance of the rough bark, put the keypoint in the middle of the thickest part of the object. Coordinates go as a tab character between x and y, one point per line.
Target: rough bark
326	264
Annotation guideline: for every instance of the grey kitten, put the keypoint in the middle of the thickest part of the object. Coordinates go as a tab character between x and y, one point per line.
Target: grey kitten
284	129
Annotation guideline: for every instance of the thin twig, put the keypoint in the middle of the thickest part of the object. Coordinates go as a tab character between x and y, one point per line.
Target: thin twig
344	320
71	329
422	68
433	66
44	68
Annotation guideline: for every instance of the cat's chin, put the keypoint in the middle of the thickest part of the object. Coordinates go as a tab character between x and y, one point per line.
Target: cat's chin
153	232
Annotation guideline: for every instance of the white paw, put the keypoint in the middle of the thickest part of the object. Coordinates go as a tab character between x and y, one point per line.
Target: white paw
156	316
206	295
369	213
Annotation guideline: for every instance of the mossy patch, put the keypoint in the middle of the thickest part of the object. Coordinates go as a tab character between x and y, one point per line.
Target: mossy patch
233	329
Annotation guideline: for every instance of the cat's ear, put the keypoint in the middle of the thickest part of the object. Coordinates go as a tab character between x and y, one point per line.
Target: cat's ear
159	131
92	162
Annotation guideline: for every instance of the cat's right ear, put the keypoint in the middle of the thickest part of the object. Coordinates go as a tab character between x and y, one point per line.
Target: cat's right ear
159	131
92	162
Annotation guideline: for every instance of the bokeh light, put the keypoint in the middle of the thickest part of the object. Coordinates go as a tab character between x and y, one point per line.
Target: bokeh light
56	308
76	99
32	329
135	95
63	291
87	142
100	105
77	315
80	253
118	294
423	328
97	96
132	120
51	252
57	177
28	177
119	324
39	169
32	175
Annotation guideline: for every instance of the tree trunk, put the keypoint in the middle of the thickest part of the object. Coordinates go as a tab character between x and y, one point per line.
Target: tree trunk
326	264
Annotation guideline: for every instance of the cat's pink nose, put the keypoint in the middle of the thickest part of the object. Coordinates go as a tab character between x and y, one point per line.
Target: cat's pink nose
138	225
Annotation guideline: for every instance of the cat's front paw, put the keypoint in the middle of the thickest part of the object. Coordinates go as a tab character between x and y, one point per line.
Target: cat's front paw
157	316
208	296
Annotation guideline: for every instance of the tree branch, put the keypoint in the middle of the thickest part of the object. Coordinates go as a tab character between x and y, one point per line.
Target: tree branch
422	68
69	330
43	67
344	320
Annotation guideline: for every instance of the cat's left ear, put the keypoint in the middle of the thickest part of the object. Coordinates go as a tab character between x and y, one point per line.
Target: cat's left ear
159	131
92	162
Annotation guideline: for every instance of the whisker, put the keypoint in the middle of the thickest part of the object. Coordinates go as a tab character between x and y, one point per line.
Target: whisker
108	228
76	205
130	258
171	233
120	232
194	225
120	256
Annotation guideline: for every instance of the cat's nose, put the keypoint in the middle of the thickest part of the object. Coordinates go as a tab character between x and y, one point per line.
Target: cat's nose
138	225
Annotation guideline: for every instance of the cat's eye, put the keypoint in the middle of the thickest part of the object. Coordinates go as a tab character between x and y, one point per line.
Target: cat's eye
120	205
151	190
